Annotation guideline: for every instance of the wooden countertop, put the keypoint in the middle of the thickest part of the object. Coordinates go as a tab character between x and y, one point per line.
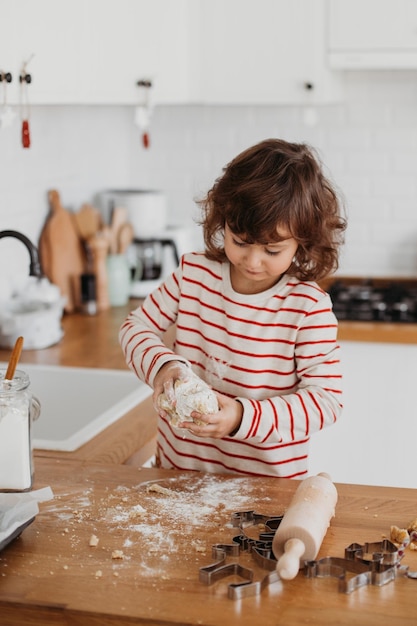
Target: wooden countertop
378	332
92	341
51	575
88	341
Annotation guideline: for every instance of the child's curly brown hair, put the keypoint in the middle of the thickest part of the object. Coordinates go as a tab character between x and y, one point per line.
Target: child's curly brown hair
277	184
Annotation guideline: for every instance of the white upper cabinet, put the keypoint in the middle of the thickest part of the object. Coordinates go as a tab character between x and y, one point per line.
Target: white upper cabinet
192	51
95	51
134	40
262	52
44	35
372	34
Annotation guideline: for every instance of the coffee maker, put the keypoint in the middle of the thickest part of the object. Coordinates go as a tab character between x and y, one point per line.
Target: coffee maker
157	247
153	258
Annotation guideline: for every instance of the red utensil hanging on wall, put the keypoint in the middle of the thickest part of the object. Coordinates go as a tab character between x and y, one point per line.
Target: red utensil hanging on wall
143	111
25	134
145	139
25	80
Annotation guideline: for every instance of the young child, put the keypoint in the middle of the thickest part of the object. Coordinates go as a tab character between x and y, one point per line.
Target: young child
250	320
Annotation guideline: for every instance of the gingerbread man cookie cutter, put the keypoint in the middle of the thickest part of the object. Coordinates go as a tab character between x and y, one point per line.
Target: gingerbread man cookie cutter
376	563
261	550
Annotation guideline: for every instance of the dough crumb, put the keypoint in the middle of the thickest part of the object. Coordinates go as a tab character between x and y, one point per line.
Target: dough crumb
93	541
159	489
137	511
201	549
399	535
117	554
412	526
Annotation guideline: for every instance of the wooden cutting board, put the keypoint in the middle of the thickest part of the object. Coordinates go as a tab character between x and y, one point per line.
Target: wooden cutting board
61	251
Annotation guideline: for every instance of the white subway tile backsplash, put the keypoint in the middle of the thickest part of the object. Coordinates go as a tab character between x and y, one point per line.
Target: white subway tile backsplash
369	161
405	162
358	115
394	185
368	145
349	138
395	137
354	184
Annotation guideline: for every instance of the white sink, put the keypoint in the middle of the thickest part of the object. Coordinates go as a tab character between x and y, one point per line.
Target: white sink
77	403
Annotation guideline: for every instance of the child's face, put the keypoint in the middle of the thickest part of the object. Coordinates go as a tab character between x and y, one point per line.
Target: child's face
257	267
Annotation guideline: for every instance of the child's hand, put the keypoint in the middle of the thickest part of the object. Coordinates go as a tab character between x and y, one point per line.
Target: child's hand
165	379
220	424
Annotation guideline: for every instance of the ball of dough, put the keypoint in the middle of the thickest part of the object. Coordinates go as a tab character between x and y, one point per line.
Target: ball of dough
191	394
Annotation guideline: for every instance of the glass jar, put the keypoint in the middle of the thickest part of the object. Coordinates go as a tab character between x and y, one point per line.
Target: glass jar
119	279
18	408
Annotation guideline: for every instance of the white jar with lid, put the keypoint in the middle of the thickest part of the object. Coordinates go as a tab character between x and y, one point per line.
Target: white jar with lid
18	408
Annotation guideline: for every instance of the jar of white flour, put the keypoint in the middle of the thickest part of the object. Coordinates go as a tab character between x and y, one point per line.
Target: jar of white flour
18	408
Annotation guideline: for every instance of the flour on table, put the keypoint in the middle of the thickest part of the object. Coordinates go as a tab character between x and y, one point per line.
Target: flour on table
153	527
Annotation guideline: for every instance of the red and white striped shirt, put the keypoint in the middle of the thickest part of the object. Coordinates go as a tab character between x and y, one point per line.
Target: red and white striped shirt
275	351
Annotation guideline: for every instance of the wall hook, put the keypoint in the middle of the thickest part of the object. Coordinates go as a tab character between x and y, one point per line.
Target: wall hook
24	76
27	78
143	111
5	76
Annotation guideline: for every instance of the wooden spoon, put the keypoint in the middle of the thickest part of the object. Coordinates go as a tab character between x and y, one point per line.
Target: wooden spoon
14	359
125	237
119	217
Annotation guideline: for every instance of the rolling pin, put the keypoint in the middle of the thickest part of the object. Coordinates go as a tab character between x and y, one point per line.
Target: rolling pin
302	530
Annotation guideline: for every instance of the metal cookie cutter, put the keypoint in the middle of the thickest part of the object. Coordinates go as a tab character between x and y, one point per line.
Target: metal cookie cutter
383	551
261	550
371	563
338	568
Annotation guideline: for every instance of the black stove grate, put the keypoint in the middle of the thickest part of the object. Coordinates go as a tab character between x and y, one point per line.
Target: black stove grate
375	302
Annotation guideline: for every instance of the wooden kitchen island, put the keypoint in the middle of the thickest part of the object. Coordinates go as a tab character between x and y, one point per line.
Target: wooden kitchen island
152	542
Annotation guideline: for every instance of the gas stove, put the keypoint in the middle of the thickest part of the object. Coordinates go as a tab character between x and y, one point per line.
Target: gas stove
375	300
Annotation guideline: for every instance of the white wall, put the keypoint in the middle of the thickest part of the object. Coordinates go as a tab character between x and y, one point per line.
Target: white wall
368	144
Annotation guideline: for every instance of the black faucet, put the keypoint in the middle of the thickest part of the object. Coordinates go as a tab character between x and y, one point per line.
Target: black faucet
35	266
